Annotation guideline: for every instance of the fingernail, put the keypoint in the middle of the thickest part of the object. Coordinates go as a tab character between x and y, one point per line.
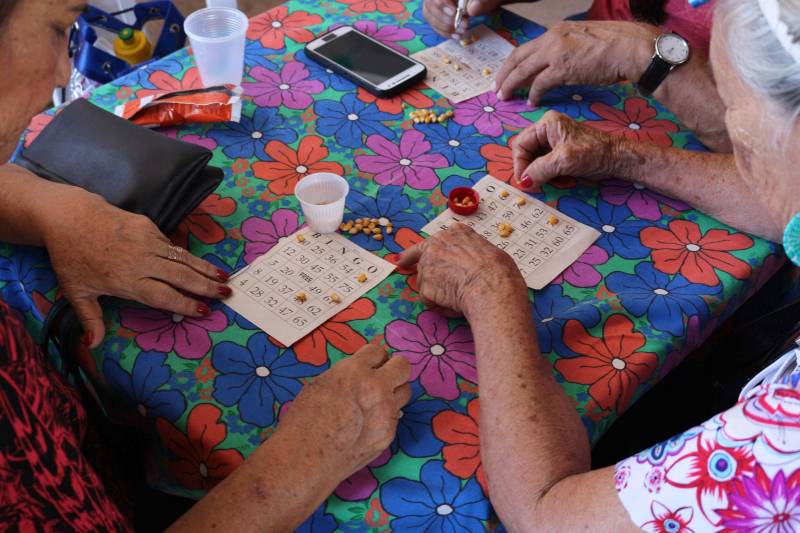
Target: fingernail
203	309
530	103
224	290
449	11
526	181
222	275
87	338
499	95
494	86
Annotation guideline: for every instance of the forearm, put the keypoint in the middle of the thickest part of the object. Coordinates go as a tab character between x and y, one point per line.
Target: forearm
275	490
708	182
24	203
531	435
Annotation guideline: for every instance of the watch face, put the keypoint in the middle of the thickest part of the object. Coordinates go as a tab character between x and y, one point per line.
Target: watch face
672	48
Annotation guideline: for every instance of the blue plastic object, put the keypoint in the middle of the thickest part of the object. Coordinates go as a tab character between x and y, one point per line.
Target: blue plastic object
100	66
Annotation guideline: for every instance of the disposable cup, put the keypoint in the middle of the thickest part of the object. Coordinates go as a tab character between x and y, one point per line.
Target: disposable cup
217	35
322	197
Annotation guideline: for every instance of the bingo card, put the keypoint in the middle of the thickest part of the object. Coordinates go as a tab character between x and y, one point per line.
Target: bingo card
303	281
543	241
461	72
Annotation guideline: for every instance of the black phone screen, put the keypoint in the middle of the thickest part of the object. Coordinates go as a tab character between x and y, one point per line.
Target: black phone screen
364	57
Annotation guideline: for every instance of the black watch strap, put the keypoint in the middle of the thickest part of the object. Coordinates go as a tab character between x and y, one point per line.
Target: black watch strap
653	76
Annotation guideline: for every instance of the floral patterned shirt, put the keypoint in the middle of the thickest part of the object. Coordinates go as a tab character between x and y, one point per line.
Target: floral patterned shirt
739	471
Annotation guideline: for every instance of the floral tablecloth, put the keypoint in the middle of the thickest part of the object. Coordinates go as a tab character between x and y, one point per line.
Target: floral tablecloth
658	280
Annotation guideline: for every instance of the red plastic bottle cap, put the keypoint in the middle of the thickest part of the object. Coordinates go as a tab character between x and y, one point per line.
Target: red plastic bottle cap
460	193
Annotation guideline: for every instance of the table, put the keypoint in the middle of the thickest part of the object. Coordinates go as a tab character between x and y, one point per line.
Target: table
656	283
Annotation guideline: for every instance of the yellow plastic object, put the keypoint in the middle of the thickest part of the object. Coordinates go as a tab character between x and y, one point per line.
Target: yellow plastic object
132	46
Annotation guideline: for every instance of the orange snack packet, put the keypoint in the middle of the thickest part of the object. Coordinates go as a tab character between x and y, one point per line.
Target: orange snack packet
222	103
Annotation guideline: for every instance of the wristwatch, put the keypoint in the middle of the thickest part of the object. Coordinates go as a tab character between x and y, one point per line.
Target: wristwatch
671	50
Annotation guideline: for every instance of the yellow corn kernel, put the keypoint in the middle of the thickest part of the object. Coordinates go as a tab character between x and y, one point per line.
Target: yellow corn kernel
366	231
389	230
553	220
383	221
457	66
449	113
301	297
486	72
446	60
362	278
300	238
520	201
504	194
376	230
342	227
352	231
377	237
335	298
464	42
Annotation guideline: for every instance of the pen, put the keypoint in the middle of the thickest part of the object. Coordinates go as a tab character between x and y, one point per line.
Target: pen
462	7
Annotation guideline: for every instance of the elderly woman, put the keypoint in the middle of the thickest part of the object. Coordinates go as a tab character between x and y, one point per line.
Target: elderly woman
617	44
737	472
334	427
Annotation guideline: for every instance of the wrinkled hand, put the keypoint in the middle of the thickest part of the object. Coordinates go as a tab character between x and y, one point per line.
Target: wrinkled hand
441	14
97	249
557	146
457	268
578	53
349	413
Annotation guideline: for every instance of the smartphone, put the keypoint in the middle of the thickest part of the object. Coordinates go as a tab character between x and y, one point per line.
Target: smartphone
365	61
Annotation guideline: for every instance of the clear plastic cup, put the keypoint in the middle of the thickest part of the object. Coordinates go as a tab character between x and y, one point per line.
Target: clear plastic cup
322	197
217	35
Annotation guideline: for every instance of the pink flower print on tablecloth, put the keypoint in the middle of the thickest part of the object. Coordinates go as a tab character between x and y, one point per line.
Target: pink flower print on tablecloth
289	87
582	273
406	163
642	202
162	331
263	234
489	115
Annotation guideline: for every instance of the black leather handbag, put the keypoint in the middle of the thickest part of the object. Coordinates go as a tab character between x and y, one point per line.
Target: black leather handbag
134	168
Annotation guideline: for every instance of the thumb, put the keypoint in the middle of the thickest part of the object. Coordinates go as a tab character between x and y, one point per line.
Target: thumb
410	256
476	8
90	315
542	169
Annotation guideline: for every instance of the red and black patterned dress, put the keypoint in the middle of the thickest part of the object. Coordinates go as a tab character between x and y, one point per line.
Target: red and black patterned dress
46	484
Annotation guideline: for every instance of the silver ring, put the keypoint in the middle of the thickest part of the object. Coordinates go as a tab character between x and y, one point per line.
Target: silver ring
174	253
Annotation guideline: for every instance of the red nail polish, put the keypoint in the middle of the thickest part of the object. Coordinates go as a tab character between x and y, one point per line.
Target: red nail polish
526	181
224	290
87	338
203	309
222	275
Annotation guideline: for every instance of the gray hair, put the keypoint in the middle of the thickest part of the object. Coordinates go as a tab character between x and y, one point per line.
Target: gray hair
758	56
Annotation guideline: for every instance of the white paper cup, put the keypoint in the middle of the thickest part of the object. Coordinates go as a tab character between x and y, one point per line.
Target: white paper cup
322	197
217	35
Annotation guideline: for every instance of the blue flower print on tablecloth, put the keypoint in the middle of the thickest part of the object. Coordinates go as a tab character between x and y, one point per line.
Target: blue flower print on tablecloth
439	502
319	522
551	310
248	138
257	376
256	55
424	30
664	300
26	272
350	119
618	235
141	76
576	100
514	22
140	387
451	182
457	143
327	76
414	429
389	203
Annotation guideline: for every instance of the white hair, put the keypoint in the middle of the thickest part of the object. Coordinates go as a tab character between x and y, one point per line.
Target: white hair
757	54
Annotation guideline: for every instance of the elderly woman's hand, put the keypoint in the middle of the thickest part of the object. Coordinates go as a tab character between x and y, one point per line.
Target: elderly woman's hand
97	249
348	415
557	146
457	270
440	14
578	53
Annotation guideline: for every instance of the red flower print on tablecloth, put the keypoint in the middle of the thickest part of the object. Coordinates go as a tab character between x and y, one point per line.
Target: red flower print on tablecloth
288	165
713	471
163	331
406	238
636	122
313	348
201	223
611	364
290	87
437	355
499	160
413	97
666	521
462	451
37	124
388	7
684	248
198	465
167	82
273	27
262	234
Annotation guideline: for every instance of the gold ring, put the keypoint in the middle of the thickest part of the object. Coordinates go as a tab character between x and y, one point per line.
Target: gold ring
174	253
